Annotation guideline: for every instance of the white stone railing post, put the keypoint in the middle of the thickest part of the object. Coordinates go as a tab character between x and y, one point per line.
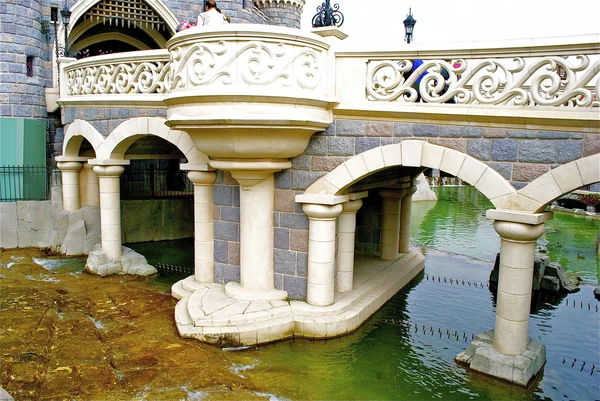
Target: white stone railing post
110	209
320	288
70	184
390	227
204	238
405	211
345	256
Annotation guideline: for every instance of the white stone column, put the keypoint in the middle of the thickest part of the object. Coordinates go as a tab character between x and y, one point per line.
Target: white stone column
70	184
390	226
110	209
257	233
345	256
89	186
517	247
405	211
204	238
320	288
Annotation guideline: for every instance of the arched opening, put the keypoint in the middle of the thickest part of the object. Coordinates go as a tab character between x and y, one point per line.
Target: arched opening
111	26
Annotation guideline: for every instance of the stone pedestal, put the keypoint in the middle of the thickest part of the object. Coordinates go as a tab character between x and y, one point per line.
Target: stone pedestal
70	184
257	233
390	227
345	256
481	356
320	289
204	238
508	353
110	209
405	210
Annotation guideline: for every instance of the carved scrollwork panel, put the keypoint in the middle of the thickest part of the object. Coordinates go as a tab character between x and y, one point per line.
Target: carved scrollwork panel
544	81
119	78
250	63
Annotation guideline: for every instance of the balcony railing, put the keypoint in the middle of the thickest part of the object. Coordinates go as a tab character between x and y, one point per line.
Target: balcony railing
483	80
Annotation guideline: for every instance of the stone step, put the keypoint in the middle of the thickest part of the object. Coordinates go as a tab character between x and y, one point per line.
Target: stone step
178	292
182	317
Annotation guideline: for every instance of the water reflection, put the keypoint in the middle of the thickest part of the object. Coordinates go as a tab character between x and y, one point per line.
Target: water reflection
388	358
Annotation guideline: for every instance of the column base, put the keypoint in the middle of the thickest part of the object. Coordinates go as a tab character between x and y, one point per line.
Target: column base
207	313
235	291
481	356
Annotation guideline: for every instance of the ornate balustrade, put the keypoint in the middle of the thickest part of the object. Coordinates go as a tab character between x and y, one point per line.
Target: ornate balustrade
556	79
552	82
519	81
141	76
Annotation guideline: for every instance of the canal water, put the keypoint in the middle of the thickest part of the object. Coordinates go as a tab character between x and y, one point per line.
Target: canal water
79	336
406	350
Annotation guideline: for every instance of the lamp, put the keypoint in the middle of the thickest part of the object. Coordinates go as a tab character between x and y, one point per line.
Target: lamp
65	16
409	26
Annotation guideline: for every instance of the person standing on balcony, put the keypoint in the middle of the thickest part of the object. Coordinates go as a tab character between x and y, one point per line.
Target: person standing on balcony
211	15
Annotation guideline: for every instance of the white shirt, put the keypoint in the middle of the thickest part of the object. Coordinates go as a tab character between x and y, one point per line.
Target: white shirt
211	17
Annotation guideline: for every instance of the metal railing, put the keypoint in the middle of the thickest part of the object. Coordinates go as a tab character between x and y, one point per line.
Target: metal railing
27	183
155	183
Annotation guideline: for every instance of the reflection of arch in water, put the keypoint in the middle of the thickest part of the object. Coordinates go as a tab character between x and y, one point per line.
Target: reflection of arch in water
414	154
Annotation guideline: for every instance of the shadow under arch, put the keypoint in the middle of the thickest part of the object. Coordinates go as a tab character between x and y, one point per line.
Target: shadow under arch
562	180
419	154
122	137
76	133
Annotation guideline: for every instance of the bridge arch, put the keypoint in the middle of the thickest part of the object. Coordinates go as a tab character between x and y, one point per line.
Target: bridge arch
414	153
561	181
78	131
122	137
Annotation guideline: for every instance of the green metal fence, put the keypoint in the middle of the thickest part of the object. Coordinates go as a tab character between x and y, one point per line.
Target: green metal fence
19	183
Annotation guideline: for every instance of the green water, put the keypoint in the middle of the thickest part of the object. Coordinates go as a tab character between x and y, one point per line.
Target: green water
384	360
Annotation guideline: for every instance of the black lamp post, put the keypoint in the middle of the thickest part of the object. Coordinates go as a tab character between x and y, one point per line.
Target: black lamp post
409	26
65	15
327	15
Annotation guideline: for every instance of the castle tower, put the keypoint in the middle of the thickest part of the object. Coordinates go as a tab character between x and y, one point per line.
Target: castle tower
281	12
25	72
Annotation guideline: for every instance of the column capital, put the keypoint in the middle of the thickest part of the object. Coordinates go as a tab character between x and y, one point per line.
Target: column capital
321	212
411	190
516	216
352	206
202	177
392	193
109	171
519	232
69	166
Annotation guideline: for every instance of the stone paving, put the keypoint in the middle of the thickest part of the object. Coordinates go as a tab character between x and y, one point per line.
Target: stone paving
207	313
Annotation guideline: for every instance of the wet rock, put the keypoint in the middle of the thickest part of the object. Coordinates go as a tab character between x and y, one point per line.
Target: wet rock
597	293
566	283
539	269
551	284
73	242
4	396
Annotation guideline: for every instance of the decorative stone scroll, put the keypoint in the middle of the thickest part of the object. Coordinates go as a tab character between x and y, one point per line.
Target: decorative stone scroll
252	63
544	81
113	77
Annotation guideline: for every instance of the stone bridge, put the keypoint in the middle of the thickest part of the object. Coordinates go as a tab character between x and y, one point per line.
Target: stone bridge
285	136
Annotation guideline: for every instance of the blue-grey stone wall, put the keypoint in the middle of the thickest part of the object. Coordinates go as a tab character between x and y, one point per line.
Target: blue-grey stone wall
21	36
281	14
240	11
